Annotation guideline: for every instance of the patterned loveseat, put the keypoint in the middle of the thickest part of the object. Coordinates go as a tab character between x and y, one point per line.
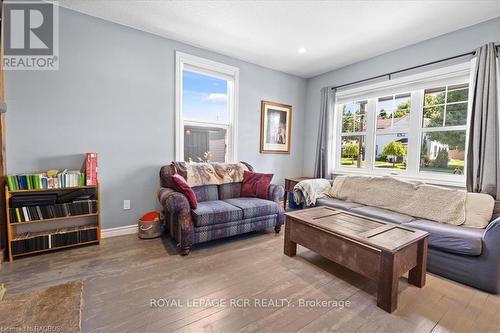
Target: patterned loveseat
221	212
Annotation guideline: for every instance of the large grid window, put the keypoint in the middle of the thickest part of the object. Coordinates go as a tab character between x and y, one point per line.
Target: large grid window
417	134
205	110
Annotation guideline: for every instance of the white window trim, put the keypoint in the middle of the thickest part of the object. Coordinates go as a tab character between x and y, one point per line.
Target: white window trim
216	69
415	84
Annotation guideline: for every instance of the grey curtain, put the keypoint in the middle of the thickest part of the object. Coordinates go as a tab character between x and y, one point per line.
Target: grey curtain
323	158
483	153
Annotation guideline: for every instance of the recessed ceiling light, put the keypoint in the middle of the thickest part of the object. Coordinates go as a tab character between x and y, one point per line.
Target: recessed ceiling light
302	50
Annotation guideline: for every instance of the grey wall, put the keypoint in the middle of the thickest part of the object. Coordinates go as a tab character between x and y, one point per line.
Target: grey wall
457	42
114	95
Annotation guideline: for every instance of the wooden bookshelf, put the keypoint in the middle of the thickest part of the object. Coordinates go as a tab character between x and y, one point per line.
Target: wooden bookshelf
12	227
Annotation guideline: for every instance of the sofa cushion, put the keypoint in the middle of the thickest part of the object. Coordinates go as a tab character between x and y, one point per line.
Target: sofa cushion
450	238
254	207
229	190
478	210
383	214
206	192
215	212
337	203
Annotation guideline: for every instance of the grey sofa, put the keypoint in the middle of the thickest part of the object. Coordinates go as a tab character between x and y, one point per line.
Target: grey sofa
467	255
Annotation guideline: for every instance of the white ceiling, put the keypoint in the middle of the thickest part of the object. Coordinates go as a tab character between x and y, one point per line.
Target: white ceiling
269	33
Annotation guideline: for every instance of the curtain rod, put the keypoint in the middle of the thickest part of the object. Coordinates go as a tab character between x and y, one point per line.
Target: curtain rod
406	69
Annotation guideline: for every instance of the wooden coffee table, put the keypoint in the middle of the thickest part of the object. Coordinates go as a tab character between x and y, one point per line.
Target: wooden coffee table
376	249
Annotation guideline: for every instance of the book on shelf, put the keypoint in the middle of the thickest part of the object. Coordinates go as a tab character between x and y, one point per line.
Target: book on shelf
39	241
39	181
90	168
43	212
54	179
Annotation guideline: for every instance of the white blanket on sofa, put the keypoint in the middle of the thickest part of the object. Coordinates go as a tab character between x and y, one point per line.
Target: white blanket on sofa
419	200
309	190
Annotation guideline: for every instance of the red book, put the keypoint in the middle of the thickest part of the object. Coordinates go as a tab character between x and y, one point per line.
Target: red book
90	169
94	169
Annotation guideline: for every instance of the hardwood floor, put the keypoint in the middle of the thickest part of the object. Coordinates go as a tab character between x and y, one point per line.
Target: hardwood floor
123	274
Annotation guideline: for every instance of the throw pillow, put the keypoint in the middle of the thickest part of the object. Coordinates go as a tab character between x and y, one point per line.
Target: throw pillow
255	185
182	186
334	191
478	210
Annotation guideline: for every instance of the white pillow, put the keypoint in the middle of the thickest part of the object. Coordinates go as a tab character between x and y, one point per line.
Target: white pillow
478	210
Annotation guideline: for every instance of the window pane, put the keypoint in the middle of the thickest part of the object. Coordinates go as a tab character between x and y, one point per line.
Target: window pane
360	123
458	93
354	117
353	151
202	144
393	112
456	114
434	96
204	98
391	151
402	102
385	106
443	151
433	116
402	111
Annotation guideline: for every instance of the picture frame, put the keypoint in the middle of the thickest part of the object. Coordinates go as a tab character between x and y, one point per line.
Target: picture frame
275	128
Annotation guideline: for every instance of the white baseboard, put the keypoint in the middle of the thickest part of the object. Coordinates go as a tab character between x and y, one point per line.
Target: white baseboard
119	231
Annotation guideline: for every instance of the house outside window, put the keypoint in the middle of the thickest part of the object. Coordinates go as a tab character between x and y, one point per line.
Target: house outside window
206	110
413	127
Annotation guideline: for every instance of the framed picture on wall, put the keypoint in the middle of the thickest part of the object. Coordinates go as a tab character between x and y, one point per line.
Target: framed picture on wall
275	128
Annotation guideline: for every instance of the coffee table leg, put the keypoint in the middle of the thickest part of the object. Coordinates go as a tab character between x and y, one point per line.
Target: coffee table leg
387	294
290	248
416	276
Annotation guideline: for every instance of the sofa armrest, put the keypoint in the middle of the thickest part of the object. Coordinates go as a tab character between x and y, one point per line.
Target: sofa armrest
492	233
172	201
176	206
276	192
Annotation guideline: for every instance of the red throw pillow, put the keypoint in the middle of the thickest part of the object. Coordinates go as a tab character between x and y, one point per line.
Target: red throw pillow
182	186
255	185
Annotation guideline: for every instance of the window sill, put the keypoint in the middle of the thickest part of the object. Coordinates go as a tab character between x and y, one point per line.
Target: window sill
442	180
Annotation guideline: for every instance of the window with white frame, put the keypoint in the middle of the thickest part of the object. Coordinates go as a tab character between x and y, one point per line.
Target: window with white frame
206	110
444	125
393	125
353	136
414	127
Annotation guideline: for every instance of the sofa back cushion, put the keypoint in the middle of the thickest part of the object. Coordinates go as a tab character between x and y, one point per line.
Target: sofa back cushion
206	193
478	210
229	191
